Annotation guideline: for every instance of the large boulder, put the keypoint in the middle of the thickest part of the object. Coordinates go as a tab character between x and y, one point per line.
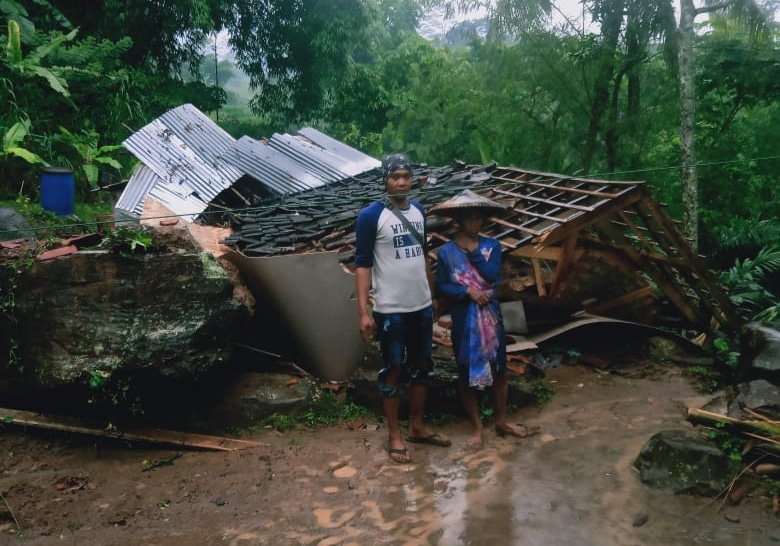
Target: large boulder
168	313
759	353
682	462
13	226
761	396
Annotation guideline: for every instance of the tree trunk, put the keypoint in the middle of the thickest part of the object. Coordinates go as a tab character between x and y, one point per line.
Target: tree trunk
690	190
612	134
611	23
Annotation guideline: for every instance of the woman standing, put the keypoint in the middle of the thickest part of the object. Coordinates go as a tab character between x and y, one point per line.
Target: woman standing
468	271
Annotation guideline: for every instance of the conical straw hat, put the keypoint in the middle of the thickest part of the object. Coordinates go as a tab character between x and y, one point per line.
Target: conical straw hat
465	200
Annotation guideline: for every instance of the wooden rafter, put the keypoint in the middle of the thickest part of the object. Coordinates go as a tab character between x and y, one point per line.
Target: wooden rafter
555	218
660	275
568	250
716	300
550	202
581	222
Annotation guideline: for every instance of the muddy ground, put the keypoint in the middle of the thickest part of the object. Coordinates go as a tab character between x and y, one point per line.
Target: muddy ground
573	483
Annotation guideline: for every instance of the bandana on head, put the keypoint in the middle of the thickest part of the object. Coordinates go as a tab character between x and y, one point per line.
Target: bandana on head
395	162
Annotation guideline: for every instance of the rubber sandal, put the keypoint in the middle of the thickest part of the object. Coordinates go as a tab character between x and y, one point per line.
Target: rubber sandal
398	456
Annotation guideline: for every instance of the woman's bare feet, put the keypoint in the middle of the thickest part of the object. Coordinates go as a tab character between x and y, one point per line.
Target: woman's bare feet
507	429
475	441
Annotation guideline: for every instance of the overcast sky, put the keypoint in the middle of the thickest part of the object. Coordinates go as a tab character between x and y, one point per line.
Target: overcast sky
435	24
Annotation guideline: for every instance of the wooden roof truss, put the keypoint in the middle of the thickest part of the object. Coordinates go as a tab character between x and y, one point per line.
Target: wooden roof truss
551	220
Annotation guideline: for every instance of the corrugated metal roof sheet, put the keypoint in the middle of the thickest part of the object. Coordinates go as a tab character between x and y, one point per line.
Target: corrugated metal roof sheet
328	163
190	160
355	161
276	171
132	199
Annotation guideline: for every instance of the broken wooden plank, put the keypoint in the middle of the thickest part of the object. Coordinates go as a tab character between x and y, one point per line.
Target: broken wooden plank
152	435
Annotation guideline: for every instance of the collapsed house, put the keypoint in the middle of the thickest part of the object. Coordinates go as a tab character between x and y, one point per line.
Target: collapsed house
574	247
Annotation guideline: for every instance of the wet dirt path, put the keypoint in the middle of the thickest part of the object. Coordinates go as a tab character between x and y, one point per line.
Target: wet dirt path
573	483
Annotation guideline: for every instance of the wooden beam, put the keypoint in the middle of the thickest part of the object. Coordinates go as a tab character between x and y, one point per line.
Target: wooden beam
661	273
672	289
533	252
723	311
152	435
654	256
539	215
538	277
622	300
648	244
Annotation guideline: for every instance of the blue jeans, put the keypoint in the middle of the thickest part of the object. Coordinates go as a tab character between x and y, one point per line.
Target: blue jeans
405	341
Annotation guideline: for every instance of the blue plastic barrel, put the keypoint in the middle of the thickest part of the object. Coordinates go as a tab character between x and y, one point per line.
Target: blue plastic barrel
57	190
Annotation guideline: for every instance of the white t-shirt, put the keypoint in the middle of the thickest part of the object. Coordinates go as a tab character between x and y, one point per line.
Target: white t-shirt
398	263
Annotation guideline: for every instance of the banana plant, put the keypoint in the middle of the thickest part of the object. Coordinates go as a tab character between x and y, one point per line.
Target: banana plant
31	64
12	140
91	155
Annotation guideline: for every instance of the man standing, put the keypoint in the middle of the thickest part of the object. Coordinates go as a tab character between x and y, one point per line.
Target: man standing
390	258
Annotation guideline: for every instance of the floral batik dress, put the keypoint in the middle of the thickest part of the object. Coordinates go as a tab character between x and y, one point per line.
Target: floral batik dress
477	330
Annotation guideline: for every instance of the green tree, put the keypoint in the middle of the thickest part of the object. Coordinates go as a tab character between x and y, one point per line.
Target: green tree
751	13
737	113
164	35
296	53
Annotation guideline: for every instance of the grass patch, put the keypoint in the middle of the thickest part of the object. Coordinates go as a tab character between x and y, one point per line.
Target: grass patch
543	392
86	218
705	379
326	410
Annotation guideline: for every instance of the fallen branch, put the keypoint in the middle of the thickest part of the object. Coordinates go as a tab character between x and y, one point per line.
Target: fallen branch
716	419
761	417
16	521
770	443
734	480
153	435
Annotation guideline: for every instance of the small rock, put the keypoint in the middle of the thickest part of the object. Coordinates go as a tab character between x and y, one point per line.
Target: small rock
345	472
640	520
